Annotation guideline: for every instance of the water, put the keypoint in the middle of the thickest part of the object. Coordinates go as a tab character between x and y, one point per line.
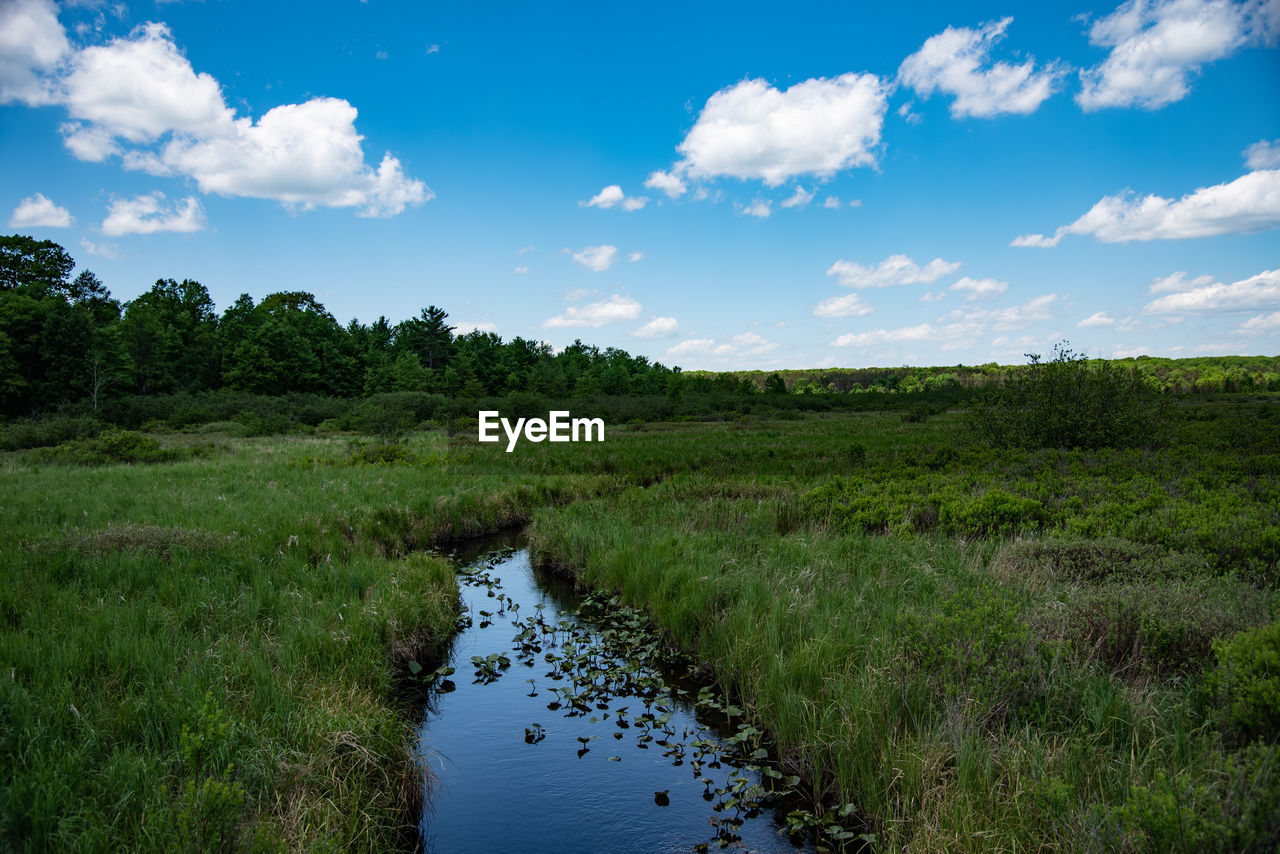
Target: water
510	774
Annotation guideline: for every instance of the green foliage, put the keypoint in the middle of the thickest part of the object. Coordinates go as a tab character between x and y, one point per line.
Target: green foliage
109	446
1071	402
41	432
1246	683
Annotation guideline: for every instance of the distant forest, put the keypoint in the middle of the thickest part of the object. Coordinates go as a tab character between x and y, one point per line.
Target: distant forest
66	345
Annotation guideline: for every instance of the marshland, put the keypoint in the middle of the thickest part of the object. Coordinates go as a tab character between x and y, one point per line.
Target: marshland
222	641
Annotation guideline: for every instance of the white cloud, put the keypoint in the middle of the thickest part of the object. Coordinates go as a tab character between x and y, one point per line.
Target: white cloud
433	48
106	250
524	250
1263	155
850	305
1249	203
32	45
933	296
980	288
598	258
596	314
758	208
1130	352
692	347
894	270
147	215
40	211
633	257
800	198
831	202
667	182
577	294
138	98
1013	317
613	195
521	270
142	87
1157	47
462	327
1256	292
923	332
748	345
1261	323
1177	282
658	327
1100	318
753	131
957	62
957	329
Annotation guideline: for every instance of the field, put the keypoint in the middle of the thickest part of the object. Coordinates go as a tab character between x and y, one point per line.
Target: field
207	637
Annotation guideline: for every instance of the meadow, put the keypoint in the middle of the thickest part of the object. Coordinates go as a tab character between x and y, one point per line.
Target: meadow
208	637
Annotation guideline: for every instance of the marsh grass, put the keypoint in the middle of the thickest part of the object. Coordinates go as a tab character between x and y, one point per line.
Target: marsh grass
983	650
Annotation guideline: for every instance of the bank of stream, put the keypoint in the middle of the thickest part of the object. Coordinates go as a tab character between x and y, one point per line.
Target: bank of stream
560	723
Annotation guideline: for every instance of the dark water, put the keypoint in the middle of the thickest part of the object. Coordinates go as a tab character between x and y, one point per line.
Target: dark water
510	774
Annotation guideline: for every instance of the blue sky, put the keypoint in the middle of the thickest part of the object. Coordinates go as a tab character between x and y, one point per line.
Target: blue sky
712	185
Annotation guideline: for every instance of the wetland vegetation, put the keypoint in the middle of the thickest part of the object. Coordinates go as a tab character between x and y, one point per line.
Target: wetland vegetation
960	608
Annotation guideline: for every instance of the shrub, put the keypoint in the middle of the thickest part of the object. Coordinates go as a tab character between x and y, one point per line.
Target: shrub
1246	683
1070	402
42	432
110	446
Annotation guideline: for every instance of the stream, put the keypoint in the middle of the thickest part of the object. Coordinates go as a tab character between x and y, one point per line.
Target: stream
564	727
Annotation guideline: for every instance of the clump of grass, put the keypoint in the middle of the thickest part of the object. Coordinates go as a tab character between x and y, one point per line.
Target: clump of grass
150	539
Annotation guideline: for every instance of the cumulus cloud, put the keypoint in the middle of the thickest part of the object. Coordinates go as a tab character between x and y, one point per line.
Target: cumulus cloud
598	258
752	130
32	46
957	62
521	270
1261	323
1263	155
923	332
633	257
831	202
462	327
39	211
1099	318
692	347
956	329
612	195
980	288
798	199
850	305
1256	292
1157	47
139	99
667	182
148	215
658	327
577	294
933	296
1249	203
1012	317
894	270
758	208
596	314
106	250
1176	282
748	345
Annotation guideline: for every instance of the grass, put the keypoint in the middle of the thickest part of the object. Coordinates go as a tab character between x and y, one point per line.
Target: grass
204	648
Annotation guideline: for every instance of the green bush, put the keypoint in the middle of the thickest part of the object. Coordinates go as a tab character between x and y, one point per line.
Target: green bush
1246	683
110	446
1070	402
42	432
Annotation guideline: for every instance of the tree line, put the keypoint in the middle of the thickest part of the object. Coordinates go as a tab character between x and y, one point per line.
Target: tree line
66	340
